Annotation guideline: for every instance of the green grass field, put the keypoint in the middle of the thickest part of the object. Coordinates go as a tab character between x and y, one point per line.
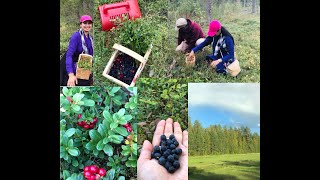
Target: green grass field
227	166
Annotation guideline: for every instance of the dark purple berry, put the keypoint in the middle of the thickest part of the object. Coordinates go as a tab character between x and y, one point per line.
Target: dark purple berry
176	164
156	148
163	148
178	151
167	165
163	137
176	157
163	143
162	161
171	136
157	155
172	146
170	158
171	169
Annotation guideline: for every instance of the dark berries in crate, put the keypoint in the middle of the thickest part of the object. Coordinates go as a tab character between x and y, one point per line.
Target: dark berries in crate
167	153
124	68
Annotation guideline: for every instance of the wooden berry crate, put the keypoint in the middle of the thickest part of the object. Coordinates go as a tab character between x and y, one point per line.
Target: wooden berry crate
190	61
142	59
84	73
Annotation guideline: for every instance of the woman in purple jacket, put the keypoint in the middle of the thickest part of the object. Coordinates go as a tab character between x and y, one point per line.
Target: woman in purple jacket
80	42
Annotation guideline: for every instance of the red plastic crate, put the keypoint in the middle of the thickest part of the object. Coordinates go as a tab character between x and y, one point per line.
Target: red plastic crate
109	12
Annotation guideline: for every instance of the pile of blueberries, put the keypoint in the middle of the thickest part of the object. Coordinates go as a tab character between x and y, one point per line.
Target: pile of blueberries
124	68
167	153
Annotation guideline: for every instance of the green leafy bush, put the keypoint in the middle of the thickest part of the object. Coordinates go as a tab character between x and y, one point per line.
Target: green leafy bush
110	143
160	99
135	34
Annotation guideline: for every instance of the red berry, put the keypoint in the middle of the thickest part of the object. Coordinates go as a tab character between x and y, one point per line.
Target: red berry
86	126
86	169
79	116
87	174
126	125
102	172
94	169
95	120
79	123
91	126
83	123
92	177
129	129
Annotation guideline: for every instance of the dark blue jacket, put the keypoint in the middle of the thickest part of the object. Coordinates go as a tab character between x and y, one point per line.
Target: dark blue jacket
227	52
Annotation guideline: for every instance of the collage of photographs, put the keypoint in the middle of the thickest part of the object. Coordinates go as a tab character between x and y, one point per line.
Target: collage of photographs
159	89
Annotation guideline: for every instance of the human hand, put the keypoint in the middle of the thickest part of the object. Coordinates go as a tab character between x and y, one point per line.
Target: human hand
72	81
191	55
150	168
215	63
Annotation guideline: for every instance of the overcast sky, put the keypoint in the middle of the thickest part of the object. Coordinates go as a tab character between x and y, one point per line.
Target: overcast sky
230	104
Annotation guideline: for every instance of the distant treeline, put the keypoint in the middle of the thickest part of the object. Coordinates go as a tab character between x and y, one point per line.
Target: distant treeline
221	140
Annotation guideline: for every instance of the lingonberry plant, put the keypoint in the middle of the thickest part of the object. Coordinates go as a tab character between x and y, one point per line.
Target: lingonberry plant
98	133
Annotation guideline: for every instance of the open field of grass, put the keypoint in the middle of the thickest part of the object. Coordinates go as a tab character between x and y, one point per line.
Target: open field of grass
226	167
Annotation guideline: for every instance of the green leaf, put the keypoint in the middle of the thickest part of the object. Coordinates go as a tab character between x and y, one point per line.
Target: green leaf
116	137
121	130
133	163
96	152
121	178
111	173
62	154
75	107
122	121
100	145
127	105
95	135
62	149
91	145
134	149
77	97
65	91
66	174
106	140
108	150
128	163
121	112
70	132
70	143
75	163
88	102
113	125
132	106
73	152
115	89
117	100
127	117
102	130
107	116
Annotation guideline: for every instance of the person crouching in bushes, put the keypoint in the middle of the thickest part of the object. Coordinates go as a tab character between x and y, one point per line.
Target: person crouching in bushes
223	47
190	35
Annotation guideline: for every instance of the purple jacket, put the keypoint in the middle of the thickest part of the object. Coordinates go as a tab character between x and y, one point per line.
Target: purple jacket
74	49
191	34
